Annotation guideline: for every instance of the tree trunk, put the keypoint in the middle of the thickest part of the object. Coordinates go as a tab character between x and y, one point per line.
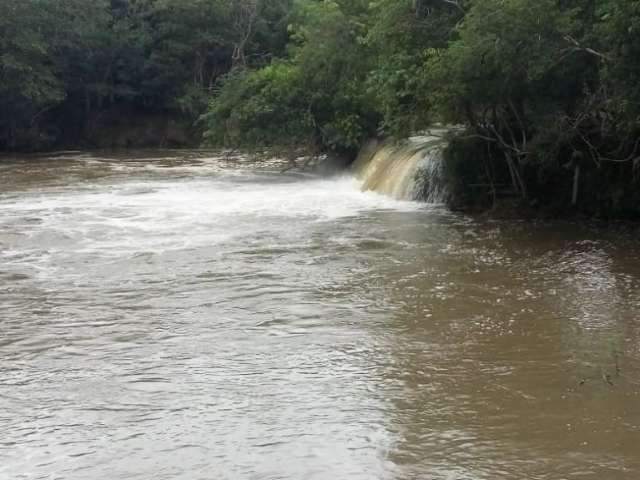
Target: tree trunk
516	176
576	185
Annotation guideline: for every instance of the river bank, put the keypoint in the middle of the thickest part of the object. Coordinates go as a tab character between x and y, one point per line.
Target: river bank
115	128
452	166
435	167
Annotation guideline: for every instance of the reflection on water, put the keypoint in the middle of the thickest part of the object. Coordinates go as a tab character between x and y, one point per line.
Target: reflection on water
188	316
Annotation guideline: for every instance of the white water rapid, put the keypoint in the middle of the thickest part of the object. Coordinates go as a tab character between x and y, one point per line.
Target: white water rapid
409	170
194	315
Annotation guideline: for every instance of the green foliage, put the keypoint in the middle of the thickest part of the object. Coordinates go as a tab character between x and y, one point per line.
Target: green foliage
67	64
316	95
507	51
547	86
544	88
404	35
469	173
260	107
28	83
618	34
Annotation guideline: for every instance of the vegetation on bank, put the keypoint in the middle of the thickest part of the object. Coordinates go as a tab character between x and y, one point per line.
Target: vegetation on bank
83	73
548	91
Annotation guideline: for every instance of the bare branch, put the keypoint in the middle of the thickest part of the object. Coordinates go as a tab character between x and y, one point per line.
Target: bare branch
579	48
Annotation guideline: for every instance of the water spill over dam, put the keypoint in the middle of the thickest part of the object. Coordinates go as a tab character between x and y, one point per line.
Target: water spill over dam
406	170
187	316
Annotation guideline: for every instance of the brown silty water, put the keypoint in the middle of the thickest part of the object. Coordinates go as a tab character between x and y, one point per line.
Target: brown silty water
186	315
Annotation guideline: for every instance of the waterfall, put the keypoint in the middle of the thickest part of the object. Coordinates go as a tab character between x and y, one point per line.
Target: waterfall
409	170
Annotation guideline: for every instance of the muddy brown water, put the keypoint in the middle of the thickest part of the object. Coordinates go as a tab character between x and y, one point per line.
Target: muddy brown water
179	315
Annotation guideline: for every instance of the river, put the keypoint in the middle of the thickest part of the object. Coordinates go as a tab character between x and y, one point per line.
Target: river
187	315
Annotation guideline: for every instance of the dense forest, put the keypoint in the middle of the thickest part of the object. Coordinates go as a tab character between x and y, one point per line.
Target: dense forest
547	92
71	71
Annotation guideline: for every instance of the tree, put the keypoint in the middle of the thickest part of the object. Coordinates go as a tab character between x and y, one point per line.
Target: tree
28	82
320	86
404	35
